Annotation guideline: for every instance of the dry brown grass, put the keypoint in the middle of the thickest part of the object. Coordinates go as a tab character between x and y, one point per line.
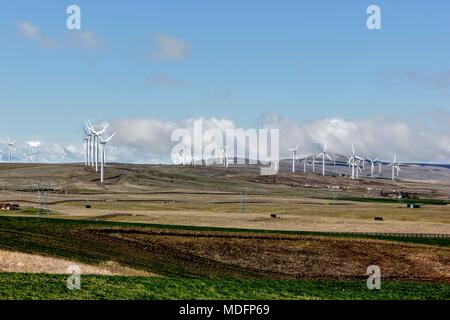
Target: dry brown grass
209	196
32	263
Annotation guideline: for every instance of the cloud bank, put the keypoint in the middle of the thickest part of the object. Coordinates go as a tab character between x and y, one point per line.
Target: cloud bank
28	30
148	140
170	48
83	39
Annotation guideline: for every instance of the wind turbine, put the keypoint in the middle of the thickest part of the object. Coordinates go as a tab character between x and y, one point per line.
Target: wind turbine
305	164
333	155
63	155
33	154
96	146
186	150
29	156
103	151
358	168
87	141
294	156
354	161
225	156
372	165
10	146
324	155
395	167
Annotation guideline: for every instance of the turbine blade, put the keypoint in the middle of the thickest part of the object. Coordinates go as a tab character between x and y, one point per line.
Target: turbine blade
112	136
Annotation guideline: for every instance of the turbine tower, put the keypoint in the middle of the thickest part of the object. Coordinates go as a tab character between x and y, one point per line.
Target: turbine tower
87	141
186	152
294	156
103	159
96	144
358	168
63	155
33	154
395	167
225	156
10	146
372	165
305	164
324	155
29	156
354	161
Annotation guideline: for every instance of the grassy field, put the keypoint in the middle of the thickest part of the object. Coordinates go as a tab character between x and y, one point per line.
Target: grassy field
212	252
210	196
40	286
183	224
179	256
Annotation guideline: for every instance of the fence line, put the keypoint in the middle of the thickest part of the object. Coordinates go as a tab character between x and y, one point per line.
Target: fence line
400	235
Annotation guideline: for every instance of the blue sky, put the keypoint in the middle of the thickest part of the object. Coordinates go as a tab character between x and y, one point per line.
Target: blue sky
303	60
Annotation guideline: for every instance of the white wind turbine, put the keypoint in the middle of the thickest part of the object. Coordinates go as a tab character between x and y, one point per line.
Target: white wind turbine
372	165
333	155
96	146
10	146
33	154
305	164
87	141
294	156
63	155
324	155
358	168
186	150
354	161
29	156
224	156
103	156
395	167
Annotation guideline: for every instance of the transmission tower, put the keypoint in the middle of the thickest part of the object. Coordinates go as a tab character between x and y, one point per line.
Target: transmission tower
244	203
42	189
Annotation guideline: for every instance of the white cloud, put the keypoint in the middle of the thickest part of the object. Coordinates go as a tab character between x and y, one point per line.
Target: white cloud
150	138
45	152
86	39
33	144
147	140
382	137
27	29
171	48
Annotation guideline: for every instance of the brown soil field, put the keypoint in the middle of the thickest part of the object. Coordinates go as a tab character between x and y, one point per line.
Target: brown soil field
280	256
